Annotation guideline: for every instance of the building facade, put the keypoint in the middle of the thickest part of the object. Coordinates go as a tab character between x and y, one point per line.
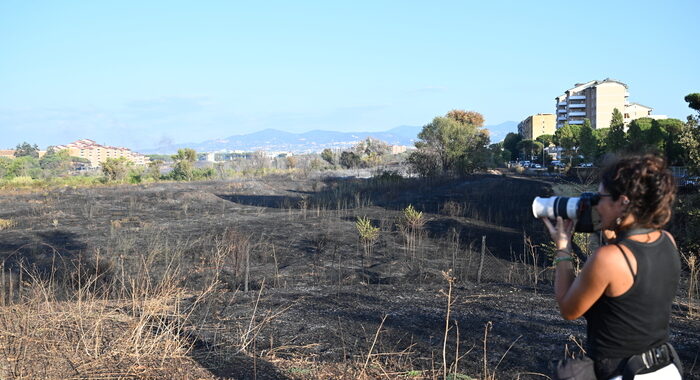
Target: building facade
537	125
595	101
97	153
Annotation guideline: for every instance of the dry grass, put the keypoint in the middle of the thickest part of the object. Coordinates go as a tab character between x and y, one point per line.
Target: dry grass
141	334
6	224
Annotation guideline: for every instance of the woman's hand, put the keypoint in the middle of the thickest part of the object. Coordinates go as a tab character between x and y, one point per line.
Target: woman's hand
561	234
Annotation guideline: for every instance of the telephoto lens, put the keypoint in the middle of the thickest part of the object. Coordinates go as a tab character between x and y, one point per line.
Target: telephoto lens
579	209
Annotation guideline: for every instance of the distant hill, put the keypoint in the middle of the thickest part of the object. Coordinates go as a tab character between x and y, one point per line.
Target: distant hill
273	140
499	131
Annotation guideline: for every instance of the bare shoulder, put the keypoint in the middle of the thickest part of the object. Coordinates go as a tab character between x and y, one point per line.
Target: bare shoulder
608	259
607	254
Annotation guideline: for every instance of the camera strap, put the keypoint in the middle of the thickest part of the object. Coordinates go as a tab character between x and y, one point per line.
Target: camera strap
622	235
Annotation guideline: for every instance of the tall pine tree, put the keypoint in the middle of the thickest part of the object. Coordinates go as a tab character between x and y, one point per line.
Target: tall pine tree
616	140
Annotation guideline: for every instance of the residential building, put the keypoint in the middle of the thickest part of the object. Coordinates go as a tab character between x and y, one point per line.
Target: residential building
97	153
537	125
635	111
595	101
397	149
10	153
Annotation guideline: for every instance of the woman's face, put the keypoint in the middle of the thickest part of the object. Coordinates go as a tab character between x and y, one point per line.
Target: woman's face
608	209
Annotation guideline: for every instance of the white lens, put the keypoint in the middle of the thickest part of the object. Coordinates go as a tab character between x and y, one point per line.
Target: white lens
543	207
572	208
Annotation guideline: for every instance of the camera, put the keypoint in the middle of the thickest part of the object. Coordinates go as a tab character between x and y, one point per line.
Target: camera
579	209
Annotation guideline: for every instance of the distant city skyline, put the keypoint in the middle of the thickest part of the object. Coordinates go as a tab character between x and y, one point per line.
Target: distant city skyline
144	74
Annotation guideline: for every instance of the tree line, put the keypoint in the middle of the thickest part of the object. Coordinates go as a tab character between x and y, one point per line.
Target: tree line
457	142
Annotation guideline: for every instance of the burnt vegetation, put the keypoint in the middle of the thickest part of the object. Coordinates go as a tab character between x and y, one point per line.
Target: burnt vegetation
277	277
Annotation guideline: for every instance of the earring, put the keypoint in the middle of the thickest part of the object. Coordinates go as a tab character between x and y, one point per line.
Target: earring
618	221
626	201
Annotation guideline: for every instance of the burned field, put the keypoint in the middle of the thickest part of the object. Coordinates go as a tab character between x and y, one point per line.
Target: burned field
270	279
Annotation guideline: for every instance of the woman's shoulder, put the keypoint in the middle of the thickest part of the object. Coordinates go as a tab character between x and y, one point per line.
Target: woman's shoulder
609	257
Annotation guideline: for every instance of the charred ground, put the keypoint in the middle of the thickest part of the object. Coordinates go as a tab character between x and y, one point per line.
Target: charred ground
297	295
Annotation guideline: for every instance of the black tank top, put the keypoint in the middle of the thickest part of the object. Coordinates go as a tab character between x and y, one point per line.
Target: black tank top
638	320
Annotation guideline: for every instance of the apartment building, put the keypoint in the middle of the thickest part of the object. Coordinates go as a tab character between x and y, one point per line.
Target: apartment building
595	101
10	153
537	125
7	153
97	153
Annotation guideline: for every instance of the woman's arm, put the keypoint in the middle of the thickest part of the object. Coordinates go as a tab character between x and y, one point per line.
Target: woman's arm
575	295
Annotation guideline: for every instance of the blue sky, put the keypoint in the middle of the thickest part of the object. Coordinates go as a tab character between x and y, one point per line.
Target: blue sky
144	73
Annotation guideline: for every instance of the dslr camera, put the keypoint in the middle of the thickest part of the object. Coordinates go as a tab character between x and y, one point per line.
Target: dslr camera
579	209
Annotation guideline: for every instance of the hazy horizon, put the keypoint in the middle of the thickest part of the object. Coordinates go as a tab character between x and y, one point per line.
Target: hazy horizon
142	75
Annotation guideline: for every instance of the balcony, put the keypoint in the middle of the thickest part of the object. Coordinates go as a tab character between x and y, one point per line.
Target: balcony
577	106
561	103
577	113
575	122
563	110
577	97
562	118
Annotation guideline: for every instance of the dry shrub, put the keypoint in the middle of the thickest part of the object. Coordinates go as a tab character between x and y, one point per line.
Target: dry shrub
452	208
6	224
94	337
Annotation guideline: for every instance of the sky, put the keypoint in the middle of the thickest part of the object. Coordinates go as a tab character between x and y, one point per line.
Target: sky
144	74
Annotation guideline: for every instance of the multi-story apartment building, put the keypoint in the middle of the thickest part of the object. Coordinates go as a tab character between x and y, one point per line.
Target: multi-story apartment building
97	153
537	125
10	153
595	101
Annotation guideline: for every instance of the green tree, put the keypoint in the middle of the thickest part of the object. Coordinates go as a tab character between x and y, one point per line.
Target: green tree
645	134
5	167
568	137
616	140
546	140
510	143
55	162
497	154
184	164
674	149
350	160
530	148
328	156
693	101
25	166
116	169
453	144
690	135
601	138
153	169
506	155
589	144
424	163
25	149
370	146
371	151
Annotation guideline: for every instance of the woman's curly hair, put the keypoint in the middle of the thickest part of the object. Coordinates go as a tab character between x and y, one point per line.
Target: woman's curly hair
649	185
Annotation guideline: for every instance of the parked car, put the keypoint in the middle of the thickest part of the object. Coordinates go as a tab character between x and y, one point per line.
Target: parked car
536	166
586	165
557	164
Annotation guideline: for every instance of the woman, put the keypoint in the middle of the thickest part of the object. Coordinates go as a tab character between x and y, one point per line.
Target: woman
626	288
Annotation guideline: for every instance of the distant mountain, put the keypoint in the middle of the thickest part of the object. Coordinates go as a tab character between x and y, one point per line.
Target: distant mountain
273	140
498	132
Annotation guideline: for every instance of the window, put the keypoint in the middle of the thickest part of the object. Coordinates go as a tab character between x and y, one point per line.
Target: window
627	116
